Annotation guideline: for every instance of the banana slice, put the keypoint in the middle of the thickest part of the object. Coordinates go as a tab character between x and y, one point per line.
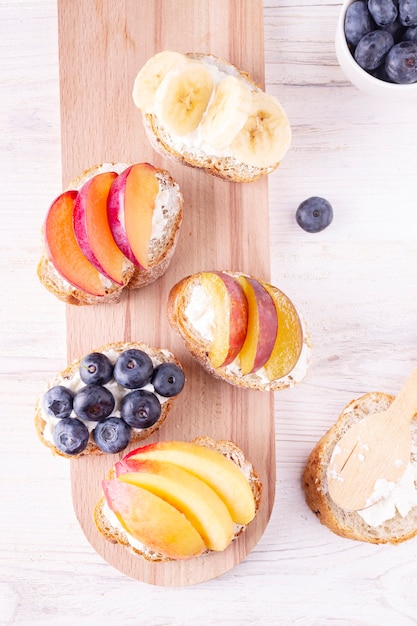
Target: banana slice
183	96
151	75
227	113
266	136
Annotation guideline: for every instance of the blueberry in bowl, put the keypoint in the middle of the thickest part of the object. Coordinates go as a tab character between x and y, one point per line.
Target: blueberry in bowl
376	47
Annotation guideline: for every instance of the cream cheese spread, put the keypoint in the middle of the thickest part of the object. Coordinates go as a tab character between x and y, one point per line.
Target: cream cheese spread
401	499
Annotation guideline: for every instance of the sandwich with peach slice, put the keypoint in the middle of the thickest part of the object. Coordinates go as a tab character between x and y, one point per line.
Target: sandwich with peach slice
116	227
240	329
175	500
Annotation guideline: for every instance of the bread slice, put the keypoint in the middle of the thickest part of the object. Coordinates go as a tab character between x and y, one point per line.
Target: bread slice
314	481
222	165
178	300
109	527
162	245
69	377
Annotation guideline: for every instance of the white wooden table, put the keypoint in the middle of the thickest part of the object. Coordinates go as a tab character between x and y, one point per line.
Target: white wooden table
356	283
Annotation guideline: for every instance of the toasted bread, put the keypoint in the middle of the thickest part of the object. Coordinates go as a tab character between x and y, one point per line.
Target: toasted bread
178	300
161	249
70	377
108	525
221	163
351	524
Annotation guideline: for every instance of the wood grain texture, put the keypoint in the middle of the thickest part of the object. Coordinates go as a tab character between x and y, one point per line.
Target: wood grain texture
102	47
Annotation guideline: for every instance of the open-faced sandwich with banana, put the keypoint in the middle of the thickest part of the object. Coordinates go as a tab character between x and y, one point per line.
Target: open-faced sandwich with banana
118	394
240	329
115	227
204	112
176	500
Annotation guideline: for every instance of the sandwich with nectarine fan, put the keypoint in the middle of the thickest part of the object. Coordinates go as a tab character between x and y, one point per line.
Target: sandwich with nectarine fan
176	500
114	228
241	329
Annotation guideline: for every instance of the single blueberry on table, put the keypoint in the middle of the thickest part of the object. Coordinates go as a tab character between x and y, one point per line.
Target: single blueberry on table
401	63
57	401
358	22
168	379
314	214
112	435
384	12
133	369
93	403
373	48
96	369
140	408
71	435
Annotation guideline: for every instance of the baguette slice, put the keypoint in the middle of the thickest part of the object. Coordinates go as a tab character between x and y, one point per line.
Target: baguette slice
178	300
112	530
189	151
350	524
161	249
70	377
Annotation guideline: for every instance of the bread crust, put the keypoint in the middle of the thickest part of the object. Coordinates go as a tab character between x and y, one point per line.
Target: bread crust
198	346
226	167
138	435
225	447
350	524
161	250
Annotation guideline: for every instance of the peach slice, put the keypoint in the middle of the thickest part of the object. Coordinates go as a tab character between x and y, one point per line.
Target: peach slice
219	472
187	493
262	326
130	208
92	230
63	250
230	309
152	521
289	340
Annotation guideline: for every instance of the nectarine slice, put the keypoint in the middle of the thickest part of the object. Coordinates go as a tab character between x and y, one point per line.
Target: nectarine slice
130	208
262	326
63	250
152	521
92	229
187	493
219	472
230	309
289	340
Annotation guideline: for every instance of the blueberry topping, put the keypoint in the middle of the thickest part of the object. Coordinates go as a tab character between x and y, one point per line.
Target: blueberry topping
408	12
70	435
57	401
140	408
93	403
133	369
358	22
401	63
168	379
96	369
112	435
410	34
314	214
373	48
384	12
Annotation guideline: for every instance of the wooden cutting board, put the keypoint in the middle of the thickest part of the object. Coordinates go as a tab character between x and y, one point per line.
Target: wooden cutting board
102	45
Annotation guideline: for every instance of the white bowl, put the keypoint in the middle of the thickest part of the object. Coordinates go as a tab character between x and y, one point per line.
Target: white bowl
359	77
